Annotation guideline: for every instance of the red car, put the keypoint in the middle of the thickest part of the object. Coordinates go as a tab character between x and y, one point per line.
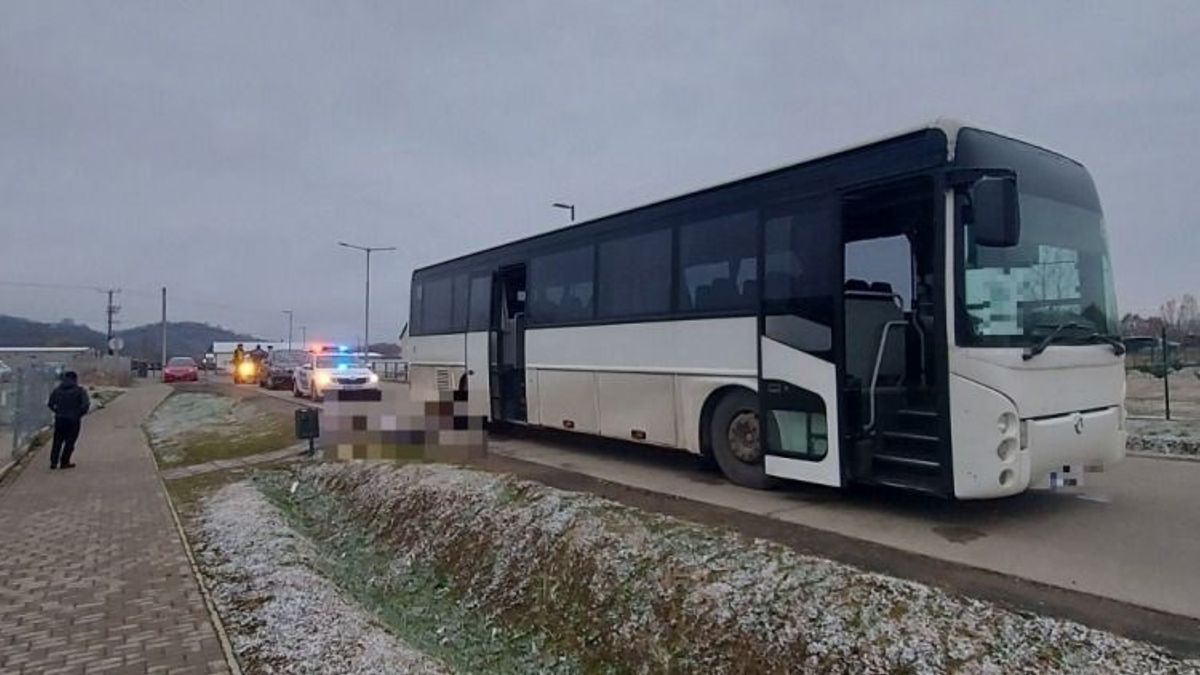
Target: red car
181	369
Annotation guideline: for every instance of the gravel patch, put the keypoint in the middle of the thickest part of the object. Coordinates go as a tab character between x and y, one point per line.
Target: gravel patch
1165	437
638	591
283	616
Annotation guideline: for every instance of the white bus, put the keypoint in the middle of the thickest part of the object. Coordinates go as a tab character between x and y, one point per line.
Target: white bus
933	311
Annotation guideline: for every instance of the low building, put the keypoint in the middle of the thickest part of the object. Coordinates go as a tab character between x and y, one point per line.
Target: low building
16	357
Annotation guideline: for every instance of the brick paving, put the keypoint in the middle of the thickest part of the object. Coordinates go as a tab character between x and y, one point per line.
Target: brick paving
93	577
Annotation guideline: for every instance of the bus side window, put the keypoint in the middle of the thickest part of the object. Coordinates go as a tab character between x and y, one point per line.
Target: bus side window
717	260
561	286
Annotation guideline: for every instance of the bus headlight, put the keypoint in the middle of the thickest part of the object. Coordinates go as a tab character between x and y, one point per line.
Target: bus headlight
1007	450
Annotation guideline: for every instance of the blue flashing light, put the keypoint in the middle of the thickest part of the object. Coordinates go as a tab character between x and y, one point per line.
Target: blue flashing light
343	348
342	366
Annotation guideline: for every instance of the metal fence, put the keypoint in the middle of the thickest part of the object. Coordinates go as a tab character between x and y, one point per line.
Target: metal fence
393	369
23	411
1162	378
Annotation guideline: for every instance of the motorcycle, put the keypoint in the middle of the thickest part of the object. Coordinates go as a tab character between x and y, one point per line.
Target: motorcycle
246	372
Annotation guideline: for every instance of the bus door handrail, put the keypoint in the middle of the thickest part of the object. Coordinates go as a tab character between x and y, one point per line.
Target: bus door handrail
916	321
883	338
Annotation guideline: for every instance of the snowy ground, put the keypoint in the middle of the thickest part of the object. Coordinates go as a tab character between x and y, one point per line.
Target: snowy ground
1168	437
615	589
191	427
283	616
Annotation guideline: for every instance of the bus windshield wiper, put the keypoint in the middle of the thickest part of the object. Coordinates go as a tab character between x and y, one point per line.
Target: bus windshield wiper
1118	347
1040	347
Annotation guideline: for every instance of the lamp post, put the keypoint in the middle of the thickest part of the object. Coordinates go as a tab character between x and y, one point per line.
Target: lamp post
569	207
289	316
367	311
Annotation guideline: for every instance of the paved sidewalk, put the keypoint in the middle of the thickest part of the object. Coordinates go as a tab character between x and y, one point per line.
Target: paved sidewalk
93	577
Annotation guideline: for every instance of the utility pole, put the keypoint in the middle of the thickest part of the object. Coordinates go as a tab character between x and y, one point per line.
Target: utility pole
367	312
1166	368
111	310
163	363
304	336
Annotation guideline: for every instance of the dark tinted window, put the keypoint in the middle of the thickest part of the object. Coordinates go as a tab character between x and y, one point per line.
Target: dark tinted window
718	263
436	305
416	325
800	279
458	314
635	275
560	286
479	311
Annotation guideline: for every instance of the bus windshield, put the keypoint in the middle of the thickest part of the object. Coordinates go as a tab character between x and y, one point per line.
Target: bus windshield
1059	273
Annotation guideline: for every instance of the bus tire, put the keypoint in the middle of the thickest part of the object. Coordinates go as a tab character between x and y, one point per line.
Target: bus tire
736	440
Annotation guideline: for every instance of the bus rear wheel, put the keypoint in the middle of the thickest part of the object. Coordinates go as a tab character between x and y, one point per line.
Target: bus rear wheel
737	440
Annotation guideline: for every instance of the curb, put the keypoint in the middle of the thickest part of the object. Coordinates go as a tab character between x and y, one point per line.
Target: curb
13	467
209	605
213	616
1162	455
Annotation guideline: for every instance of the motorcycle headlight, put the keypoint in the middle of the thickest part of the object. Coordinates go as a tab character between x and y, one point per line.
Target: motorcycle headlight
246	368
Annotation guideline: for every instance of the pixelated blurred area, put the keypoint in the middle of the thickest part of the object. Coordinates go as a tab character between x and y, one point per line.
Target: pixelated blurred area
402	430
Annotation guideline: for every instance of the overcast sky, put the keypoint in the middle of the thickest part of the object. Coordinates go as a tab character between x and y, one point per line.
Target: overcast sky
222	148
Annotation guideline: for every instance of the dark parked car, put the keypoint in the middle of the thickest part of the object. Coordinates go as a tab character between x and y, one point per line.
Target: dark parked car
277	370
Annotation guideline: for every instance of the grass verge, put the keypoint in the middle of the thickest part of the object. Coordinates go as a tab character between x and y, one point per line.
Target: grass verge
419	603
197	427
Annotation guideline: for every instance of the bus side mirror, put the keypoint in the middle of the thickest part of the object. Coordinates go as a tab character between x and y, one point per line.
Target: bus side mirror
995	213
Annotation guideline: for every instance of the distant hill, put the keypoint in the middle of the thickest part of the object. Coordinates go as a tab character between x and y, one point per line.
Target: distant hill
188	338
18	332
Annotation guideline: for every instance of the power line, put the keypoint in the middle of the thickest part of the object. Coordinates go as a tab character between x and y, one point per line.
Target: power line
65	287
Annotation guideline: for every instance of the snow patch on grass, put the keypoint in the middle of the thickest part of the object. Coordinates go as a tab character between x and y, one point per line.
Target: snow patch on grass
283	616
629	590
191	427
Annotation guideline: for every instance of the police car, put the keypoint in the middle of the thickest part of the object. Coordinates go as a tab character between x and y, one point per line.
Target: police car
335	369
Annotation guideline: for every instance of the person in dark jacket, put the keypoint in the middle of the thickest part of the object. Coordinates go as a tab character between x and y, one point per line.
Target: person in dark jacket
70	403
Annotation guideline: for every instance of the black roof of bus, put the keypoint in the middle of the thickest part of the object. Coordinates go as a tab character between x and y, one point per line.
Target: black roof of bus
945	130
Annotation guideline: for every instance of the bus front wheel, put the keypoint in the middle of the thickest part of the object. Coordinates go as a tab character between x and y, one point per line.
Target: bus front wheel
737	440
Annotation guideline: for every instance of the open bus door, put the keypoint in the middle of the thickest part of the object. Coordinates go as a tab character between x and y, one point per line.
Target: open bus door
507	345
799	340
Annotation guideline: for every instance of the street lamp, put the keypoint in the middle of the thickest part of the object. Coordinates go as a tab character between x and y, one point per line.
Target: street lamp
569	207
367	312
289	315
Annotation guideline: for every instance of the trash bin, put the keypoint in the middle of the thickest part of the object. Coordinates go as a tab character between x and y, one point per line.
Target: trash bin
308	426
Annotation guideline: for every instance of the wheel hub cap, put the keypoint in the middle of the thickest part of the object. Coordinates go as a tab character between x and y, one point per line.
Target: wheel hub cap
743	438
